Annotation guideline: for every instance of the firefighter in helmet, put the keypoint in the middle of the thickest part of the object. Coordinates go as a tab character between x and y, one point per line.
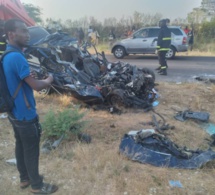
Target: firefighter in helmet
163	45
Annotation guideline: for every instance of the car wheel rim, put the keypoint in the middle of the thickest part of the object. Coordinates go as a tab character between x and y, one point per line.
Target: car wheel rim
118	52
117	102
45	91
169	54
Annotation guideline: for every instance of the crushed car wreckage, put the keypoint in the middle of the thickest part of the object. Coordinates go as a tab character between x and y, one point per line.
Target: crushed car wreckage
90	78
148	147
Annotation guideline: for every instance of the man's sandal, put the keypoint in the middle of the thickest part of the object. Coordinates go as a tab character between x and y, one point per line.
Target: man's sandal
24	184
45	189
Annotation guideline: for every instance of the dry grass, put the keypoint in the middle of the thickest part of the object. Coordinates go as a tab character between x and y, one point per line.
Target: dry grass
196	52
97	168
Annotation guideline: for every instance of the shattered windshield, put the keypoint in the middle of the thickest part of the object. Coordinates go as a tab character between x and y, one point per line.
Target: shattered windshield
36	34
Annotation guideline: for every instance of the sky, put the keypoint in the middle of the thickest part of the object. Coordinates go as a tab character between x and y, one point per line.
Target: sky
101	9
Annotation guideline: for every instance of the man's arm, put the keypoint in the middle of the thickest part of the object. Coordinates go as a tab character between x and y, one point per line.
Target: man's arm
38	84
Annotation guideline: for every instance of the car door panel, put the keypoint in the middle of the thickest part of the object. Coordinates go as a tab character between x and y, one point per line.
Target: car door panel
139	42
153	37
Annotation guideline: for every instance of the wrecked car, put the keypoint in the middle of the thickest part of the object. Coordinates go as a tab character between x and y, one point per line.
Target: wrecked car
90	78
148	147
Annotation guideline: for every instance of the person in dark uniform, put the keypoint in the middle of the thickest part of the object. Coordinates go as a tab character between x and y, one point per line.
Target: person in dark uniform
163	45
191	39
2	38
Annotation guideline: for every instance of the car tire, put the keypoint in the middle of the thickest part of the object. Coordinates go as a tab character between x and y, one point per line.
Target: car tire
150	72
116	99
171	53
45	91
119	52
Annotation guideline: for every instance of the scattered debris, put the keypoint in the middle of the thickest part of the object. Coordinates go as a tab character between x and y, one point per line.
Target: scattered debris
158	150
114	110
112	126
49	145
209	127
11	161
155	103
175	183
160	128
143	132
161	125
4	115
206	78
188	114
212	143
57	142
84	138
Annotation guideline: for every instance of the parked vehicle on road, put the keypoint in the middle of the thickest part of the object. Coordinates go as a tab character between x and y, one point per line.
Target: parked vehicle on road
144	41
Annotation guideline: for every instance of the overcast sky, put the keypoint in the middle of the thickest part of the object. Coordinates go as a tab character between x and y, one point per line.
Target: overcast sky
100	9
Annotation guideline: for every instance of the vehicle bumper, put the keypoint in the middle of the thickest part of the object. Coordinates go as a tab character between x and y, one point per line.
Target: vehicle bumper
182	48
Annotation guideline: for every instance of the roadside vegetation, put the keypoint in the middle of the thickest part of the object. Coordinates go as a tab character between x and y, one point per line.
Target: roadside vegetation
200	19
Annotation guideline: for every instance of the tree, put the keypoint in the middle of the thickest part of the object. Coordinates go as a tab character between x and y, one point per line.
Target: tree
179	21
137	19
153	19
34	12
208	31
209	7
197	16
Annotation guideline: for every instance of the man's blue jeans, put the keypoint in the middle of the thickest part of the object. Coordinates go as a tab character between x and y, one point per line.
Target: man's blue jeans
27	135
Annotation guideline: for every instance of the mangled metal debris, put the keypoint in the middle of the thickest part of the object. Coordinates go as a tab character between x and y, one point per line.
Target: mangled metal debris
156	149
206	78
91	78
188	114
51	144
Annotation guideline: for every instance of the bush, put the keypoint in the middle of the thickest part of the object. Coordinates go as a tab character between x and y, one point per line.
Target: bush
68	121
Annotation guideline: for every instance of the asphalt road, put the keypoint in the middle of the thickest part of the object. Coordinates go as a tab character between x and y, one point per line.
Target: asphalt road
180	69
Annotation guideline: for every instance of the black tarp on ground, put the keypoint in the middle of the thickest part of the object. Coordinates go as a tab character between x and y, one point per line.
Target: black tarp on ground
151	150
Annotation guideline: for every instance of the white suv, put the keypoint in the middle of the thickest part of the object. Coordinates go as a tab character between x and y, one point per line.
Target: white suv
144	41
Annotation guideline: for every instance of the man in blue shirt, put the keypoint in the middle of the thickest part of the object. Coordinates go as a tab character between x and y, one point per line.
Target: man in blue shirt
24	118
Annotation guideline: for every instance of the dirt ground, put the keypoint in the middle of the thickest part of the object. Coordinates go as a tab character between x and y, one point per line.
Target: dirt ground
98	168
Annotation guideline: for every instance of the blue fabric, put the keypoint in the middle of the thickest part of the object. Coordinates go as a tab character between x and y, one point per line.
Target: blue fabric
16	69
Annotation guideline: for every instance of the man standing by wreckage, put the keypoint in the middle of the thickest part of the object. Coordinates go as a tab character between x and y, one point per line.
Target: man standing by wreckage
24	118
163	45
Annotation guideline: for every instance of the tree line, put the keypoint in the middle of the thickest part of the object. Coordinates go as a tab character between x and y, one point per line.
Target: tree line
201	19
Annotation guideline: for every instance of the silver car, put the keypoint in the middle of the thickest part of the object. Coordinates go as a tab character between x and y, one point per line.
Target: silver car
144	41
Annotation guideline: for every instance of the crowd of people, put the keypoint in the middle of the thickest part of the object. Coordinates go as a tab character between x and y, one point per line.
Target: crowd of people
92	35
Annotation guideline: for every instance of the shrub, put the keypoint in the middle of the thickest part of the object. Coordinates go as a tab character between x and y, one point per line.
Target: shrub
65	122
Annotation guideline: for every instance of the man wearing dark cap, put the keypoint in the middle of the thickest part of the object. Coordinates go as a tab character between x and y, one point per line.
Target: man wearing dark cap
163	45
